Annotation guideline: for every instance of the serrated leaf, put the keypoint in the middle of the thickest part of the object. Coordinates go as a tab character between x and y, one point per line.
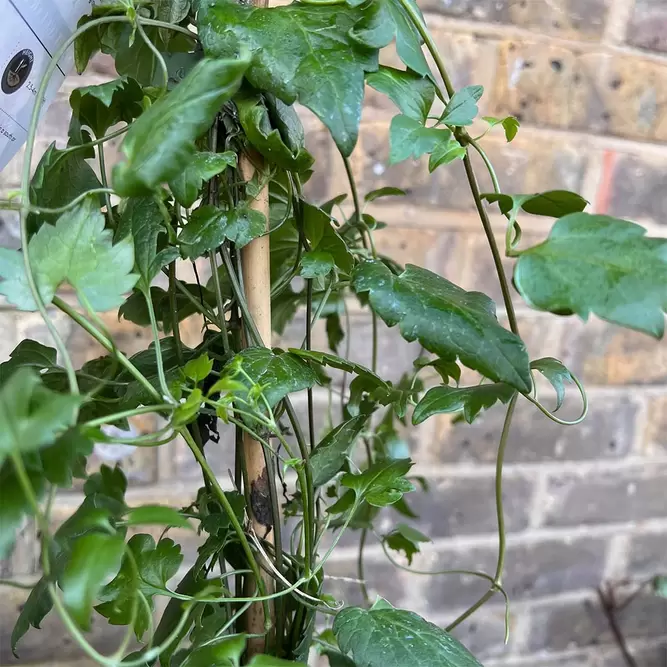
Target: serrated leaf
557	374
279	374
187	184
382	484
60	177
510	124
384	20
445	153
461	110
160	143
155	515
103	105
209	226
156	565
385	636
78	250
446	320
470	400
387	191
316	264
411	93
198	369
341	364
31	354
32	416
330	455
94	558
601	265
256	123
406	539
408	138
320	65
555	203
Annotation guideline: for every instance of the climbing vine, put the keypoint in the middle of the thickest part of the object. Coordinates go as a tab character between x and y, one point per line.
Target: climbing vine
211	176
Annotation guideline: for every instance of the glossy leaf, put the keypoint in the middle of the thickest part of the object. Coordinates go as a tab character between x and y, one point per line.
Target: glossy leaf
331	453
33	612
601	265
209	226
554	204
316	264
225	652
557	374
31	416
411	93
78	250
408	138
160	143
255	120
445	153
158	515
382	484
510	124
446	320
461	110
103	105
323	237
94	558
198	369
31	354
470	400
385	636
406	539
320	65
187	184
171	11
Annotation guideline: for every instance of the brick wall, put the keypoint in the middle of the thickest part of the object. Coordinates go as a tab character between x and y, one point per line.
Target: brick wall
588	79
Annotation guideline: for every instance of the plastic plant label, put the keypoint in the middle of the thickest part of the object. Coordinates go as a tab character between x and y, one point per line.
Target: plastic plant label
31	31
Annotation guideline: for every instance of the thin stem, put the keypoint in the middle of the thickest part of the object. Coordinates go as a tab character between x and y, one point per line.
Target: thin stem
360	566
105	183
308	341
156	53
142	410
487	163
175	326
97	142
166	394
219	301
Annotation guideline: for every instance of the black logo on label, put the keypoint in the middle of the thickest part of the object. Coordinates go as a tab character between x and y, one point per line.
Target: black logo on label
17	71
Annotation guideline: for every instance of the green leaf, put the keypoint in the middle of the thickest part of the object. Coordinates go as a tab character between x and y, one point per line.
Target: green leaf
408	138
209	226
316	264
331	453
31	416
160	143
156	565
198	369
387	191
33	612
406	539
320	65
31	354
141	220
155	515
225	652
94	558
66	458
554	371
103	105
510	124
660	586
445	153
385	636
385	19
187	184
256	123
60	177
279	374
411	93
446	320
462	108
171	11
271	661
78	251
335	333
187	412
382	484
554	204
601	265
471	400
323	237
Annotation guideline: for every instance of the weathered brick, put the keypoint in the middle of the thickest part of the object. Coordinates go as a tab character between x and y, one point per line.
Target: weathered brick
319	187
560	626
25	554
648	25
646	556
651	656
581	659
8	339
560	87
532	570
631	494
10	233
605	354
654	441
465	505
574	19
637	188
606	433
53	640
526	165
483	634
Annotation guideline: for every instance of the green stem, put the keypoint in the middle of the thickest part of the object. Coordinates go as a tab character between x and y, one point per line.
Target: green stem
156	53
220	302
166	394
360	566
175	326
142	410
97	142
105	183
